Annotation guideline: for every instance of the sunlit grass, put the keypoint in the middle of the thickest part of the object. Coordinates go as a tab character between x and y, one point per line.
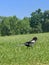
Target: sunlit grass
12	54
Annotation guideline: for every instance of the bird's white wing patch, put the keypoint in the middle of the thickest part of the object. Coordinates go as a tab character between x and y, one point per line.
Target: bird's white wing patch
33	41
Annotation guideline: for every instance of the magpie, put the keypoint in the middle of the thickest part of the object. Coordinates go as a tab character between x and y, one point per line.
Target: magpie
29	43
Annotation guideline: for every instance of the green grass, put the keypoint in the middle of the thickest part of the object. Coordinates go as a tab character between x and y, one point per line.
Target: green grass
12	54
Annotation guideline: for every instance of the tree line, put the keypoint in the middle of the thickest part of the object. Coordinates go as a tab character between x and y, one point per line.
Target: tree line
38	22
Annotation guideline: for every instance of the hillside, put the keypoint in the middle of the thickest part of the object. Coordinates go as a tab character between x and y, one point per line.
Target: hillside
12	54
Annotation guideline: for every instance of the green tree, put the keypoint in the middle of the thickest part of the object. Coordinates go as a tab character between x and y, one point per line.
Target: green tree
45	23
23	26
13	21
46	26
35	21
5	28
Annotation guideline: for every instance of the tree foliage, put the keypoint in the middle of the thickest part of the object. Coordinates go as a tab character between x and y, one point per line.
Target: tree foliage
37	23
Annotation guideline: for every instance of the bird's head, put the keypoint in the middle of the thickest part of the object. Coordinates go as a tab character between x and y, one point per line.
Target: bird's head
34	38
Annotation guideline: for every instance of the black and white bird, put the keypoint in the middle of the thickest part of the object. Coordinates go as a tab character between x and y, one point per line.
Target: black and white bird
29	43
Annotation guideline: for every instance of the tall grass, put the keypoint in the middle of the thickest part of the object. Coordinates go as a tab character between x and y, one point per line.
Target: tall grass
12	53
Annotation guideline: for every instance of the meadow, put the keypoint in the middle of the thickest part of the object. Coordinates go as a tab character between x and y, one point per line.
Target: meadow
12	53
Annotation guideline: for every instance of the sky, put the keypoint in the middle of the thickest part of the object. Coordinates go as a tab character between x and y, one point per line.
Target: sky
22	8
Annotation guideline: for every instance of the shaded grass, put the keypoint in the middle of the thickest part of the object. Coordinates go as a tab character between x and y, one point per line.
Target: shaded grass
12	54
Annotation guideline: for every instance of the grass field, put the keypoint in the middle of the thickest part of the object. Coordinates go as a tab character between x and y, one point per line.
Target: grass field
12	54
